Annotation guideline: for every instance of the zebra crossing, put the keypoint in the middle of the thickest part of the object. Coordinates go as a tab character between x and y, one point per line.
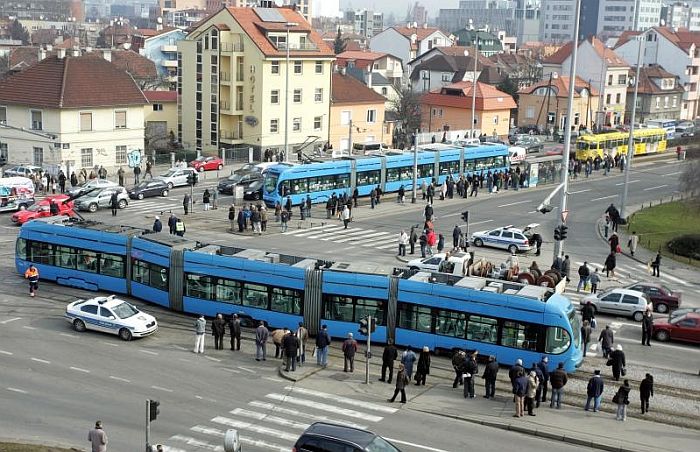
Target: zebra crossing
275	421
336	233
152	206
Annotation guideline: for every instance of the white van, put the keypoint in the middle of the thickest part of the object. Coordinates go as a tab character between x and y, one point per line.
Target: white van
516	154
16	193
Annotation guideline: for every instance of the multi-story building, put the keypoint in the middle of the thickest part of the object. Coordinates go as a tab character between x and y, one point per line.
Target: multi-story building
678	52
659	96
72	111
488	42
44	9
557	20
683	15
603	69
495	14
616	16
443	66
408	43
160	46
365	22
160	119
233	68
525	22
387	65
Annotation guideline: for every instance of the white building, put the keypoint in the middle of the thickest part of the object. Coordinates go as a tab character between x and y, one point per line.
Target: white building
407	43
616	16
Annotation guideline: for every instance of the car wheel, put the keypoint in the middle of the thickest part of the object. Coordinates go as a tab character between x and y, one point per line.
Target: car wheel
638	316
122	204
662	336
92	207
220	167
22	207
512	249
256	196
414	268
164	193
200	169
170	185
125	334
478	242
79	325
140	196
662	308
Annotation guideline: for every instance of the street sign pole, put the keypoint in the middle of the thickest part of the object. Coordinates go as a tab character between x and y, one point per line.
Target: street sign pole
369	350
148	424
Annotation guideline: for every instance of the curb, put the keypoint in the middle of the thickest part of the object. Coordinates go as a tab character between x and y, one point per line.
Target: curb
296	376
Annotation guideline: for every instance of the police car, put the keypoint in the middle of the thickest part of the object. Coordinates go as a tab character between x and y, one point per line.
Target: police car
508	238
110	315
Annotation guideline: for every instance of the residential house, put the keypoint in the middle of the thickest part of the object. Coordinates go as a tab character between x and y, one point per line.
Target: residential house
521	69
450	108
659	95
233	71
442	66
356	115
545	104
377	83
407	43
678	52
602	68
384	64
488	43
160	119
160	46
76	112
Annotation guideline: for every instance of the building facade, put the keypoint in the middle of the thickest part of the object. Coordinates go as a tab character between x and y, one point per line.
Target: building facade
659	96
160	119
160	46
557	20
442	66
617	16
366	23
407	43
387	65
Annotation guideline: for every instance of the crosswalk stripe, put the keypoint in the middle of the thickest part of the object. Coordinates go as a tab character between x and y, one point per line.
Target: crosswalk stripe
255	428
314	417
197	443
324	407
242	412
172	449
352	234
386	247
340	399
379	238
665	276
243	439
314	229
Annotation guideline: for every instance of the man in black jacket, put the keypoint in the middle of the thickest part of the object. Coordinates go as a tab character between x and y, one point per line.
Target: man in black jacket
218	327
290	344
618	361
388	358
235	329
471	369
647	327
457	364
543	367
490	374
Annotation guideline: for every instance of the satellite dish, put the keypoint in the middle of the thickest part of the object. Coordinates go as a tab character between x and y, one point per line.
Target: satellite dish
555	75
663	22
159	20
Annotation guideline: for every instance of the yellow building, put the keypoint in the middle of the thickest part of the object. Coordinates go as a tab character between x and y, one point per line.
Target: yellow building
357	114
160	118
233	74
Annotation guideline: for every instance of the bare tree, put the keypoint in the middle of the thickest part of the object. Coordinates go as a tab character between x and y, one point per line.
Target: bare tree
407	109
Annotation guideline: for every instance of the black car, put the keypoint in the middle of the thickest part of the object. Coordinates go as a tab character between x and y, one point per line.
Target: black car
226	185
254	190
149	188
321	436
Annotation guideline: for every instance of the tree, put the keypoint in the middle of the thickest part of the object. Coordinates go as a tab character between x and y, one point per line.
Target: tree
18	32
690	178
508	86
339	44
407	109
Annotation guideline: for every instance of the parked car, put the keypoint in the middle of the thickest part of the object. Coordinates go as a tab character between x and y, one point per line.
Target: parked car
322	436
663	298
436	263
210	163
149	188
254	190
684	328
619	301
22	170
226	185
90	185
42	209
102	198
683	311
177	177
109	315
512	239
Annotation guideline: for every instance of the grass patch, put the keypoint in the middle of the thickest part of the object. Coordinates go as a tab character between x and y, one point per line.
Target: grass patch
13	447
657	225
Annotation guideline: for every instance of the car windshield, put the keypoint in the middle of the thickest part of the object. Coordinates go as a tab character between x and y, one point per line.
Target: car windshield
271	182
170	173
38	207
142	185
124	310
379	444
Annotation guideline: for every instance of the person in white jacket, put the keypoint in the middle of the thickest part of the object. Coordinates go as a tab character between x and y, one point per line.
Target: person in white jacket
403	241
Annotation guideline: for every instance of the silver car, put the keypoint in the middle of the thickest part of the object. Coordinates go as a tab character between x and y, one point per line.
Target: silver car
177	177
22	170
102	198
91	184
624	302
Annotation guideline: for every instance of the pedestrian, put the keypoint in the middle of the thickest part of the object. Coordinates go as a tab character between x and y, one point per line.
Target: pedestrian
345	214
308	206
218	327
137	174
277	338
423	240
470	371
157	225
98	438
32	275
646	391
566	267
388	357
256	219
206	198
428	212
458	359
114	203
633	242
606	339
323	340
73	179
440	243
261	335
423	367
180	228
290	344
408	358
583	274
302	336
186	203
532	385
558	380
401	195
232	216
586	335
490	375
588	313
284	219
610	263
647	327
62	181
618	363
519	392
656	265
621	398
543	367
349	350
403	241
401	381
456	234
200	327
149	168
594	391
614	242
595	280
172	221
120	176
235	331
412	239
515	371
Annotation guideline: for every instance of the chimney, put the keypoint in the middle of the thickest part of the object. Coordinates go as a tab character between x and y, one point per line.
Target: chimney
49	47
107	54
369	76
75	51
342	70
42	53
61	54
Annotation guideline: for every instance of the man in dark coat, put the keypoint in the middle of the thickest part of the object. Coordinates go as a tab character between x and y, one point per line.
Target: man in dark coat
588	312
235	329
401	381
349	349
114	203
594	391
471	369
290	344
172	221
647	327
558	380
646	391
618	362
388	357
606	338
490	374
457	364
456	234
157	225
218	327
543	368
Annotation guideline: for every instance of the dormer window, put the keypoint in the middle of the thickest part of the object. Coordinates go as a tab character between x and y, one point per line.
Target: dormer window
279	41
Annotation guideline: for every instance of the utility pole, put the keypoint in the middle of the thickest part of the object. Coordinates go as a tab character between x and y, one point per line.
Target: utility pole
288	25
148	424
476	59
350	137
368	354
414	193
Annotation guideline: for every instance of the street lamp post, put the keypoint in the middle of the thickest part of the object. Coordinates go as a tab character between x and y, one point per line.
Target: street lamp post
288	25
476	59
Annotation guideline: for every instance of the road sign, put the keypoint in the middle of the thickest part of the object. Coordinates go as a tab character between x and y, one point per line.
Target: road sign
564	215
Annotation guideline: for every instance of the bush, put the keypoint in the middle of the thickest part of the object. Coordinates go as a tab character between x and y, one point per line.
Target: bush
686	245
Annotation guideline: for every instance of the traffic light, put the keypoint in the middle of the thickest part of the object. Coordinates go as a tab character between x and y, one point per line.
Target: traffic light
363	327
154	411
557	233
465	216
562	231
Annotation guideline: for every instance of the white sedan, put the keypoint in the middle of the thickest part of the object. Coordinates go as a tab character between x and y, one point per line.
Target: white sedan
110	315
512	239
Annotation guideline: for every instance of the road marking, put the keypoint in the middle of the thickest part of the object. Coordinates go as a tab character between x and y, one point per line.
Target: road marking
255	428
398	441
630	182
123	380
242	412
3	352
671	174
41	361
243	439
79	369
109	343
660	344
604	197
273	379
197	443
212	359
172	449
480	222
5	322
72	336
148	352
514	203
669	277
324	407
26	327
654	188
345	400
231	370
21	391
298	414
245	369
579	191
160	388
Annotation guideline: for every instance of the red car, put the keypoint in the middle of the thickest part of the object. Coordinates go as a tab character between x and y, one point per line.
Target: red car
42	209
663	298
684	328
207	163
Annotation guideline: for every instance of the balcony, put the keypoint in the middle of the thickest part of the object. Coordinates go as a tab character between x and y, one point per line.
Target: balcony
169	63
231	47
231	135
296	46
225	78
168	48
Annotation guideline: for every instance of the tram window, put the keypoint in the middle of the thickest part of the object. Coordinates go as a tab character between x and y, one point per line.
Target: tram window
112	265
337	307
416	318
139	271
299	186
425	170
87	261
255	295
286	300
519	335
558	340
64	257
482	329
21	249
469	165
393	174
228	291
158	277
449	167
368	178
451	323
40	253
342	180
197	286
365	307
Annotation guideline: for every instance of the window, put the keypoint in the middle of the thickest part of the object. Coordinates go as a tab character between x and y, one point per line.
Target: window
446	77
674	102
275	96
608	97
519	335
255	295
318	95
451	323
120	154
317	122
318	67
36	118
149	274
38	156
658	102
64	257
610	79
296	97
482	329
87	261
296	125
371	116
666	102
557	341
202	287
413	317
275	67
495	120
618	98
352	309
86	158
297	67
385	91
622	79
287	301
120	119
112	265
3	152
530	112
89	309
3	115
157	107
345	117
630	299
274	125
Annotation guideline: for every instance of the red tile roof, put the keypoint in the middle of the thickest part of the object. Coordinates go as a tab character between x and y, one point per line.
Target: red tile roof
161	96
647	85
71	82
421	33
348	90
459	95
560	55
610	57
561	85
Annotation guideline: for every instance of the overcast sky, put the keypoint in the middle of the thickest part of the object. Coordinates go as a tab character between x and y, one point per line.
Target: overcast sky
398	7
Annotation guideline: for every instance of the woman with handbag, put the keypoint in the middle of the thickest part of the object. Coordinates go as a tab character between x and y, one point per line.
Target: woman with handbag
621	398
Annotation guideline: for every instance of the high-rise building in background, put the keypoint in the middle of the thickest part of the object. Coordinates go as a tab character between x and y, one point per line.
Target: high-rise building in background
682	15
617	16
45	9
557	20
491	14
419	14
365	22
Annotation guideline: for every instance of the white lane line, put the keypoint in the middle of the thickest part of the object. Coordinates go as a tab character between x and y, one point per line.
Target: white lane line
630	182
72	336
579	191
480	222
21	391
216	360
358	235
418	446
26	327
665	276
41	361
671	174
172	449
514	203
233	371
340	399
274	432
324	407
386	247
244	439
197	443
316	228
5	322
79	369
298	414
179	347
278	380
123	380
148	352
109	343
654	188
160	388
604	197
242	412
245	369
660	344
3	352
